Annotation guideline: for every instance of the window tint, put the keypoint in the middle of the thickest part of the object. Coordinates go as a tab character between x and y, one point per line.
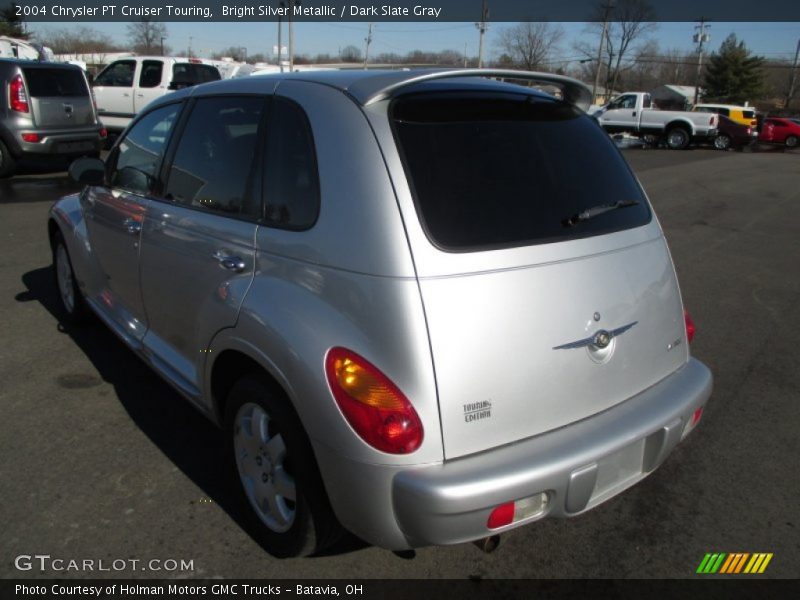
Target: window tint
212	166
187	74
292	183
43	83
118	74
491	170
151	73
139	154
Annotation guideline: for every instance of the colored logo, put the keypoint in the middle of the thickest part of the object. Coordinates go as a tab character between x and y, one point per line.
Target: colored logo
734	563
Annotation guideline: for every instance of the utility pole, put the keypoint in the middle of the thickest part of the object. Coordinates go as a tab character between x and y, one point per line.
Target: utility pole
700	38
482	26
368	40
292	4
190	45
162	47
790	94
281	4
606	11
465	55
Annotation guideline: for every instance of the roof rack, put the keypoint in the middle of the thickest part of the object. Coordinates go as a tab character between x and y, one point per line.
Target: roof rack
374	89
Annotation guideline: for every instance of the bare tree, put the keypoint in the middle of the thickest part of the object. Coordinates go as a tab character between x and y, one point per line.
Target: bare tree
351	54
530	45
629	22
634	18
81	40
237	53
146	36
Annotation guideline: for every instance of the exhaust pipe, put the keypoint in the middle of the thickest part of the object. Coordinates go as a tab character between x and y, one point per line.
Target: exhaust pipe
488	544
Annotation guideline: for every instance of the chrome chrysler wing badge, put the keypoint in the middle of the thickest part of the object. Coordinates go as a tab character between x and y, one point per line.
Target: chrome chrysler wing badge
600	339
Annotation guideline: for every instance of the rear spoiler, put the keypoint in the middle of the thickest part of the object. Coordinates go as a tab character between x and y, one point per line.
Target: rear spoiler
574	91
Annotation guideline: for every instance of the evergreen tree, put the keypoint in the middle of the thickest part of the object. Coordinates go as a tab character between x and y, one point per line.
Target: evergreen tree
10	24
733	75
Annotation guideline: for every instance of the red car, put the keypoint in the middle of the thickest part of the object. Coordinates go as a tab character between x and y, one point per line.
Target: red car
780	131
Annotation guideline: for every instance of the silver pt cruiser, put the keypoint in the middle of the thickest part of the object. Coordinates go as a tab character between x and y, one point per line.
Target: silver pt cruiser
426	306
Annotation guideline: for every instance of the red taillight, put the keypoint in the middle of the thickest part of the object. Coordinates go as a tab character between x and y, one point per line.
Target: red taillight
372	404
501	516
690	328
103	132
696	416
17	96
31	137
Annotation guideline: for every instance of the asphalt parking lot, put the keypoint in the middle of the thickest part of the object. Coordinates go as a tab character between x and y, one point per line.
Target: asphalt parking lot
99	459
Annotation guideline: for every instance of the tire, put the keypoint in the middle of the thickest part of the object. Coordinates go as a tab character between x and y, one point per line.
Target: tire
277	474
791	141
677	138
73	306
722	142
7	163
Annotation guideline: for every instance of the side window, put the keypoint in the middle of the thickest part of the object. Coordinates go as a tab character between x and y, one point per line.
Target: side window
212	168
151	73
291	182
139	154
117	74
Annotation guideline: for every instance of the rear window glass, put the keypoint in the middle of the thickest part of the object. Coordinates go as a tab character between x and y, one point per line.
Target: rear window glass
749	114
194	73
44	83
491	171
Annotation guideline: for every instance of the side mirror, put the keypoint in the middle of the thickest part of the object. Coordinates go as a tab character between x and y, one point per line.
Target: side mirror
89	171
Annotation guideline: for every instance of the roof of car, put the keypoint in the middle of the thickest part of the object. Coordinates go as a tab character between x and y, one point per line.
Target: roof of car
366	87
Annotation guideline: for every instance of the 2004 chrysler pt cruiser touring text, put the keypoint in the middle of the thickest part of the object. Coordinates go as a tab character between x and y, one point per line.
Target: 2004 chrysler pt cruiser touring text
426	306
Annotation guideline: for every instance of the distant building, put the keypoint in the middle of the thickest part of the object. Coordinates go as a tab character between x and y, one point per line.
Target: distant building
674	97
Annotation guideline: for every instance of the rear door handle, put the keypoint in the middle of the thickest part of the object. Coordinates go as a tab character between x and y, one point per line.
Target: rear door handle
232	263
132	226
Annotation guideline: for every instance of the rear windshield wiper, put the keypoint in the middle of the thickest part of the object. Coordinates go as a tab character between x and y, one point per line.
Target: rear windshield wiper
594	211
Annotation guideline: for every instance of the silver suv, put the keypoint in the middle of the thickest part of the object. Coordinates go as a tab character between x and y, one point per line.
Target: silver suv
46	112
427	306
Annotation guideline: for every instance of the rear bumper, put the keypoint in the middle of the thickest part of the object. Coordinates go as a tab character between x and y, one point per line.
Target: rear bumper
578	466
59	143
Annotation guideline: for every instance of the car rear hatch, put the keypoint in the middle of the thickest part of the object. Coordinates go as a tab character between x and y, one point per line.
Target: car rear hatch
547	285
59	97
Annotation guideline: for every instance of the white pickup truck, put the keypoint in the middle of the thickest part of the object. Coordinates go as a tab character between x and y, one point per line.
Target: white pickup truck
635	113
126	86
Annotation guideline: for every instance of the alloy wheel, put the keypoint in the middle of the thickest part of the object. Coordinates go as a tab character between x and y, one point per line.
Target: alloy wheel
261	460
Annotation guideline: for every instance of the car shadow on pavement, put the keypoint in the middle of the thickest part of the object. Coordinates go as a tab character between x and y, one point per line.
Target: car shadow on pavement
182	433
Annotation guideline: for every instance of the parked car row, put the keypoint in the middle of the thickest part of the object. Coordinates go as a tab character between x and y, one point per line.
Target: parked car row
728	126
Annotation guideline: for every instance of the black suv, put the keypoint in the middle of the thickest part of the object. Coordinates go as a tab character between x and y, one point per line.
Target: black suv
46	111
